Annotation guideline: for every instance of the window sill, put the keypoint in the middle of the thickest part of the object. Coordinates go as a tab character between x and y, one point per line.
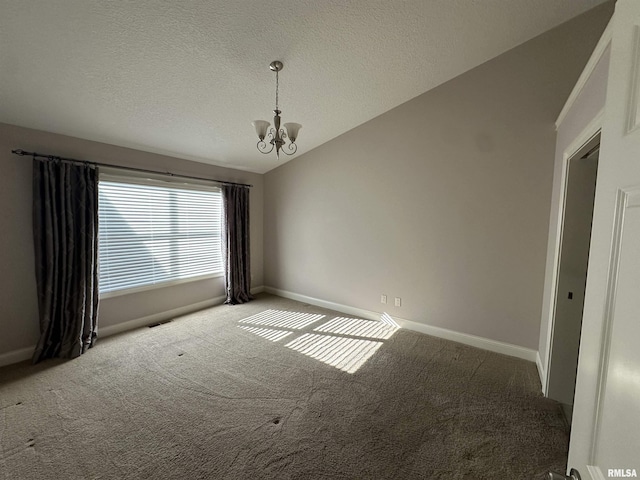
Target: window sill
155	286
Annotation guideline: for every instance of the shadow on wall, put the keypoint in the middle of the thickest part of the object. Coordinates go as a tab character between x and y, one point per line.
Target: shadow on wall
343	343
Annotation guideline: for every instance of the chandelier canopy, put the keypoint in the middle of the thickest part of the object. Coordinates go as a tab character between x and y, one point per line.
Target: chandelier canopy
276	134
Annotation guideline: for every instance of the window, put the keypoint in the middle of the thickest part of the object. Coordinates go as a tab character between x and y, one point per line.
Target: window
153	232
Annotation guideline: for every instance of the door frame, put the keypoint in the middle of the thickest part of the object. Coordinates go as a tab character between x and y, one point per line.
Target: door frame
592	130
557	209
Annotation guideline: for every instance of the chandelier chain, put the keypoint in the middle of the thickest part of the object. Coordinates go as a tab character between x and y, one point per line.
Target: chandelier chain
277	90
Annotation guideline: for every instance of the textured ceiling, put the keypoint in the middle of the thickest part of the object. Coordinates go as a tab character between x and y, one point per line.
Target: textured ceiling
187	78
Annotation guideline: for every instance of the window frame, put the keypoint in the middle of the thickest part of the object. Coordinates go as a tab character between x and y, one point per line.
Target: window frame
158	180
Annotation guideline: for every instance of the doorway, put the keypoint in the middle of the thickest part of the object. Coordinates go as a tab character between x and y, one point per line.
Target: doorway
573	262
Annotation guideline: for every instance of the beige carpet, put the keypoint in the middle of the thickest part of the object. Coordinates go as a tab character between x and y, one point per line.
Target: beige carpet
233	392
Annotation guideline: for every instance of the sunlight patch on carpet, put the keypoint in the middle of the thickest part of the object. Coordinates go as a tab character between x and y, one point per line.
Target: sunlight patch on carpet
356	327
344	343
268	333
347	354
283	319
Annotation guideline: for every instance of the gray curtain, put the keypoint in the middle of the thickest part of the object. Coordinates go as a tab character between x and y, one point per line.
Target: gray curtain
235	244
65	233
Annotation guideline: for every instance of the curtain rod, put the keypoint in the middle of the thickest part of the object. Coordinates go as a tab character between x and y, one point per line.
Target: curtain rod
22	153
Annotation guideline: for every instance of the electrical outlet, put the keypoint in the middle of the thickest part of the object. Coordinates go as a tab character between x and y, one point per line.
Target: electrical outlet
398	302
383	299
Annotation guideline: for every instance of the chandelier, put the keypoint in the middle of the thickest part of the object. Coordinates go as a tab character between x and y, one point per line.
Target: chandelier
277	135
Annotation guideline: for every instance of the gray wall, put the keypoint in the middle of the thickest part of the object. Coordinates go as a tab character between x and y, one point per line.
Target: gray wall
443	201
18	301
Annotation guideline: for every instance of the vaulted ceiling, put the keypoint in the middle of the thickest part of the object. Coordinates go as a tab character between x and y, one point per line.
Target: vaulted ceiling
186	78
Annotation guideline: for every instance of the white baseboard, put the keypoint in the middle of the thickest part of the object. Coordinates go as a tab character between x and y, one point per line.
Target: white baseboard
16	356
23	354
472	340
475	341
542	373
256	290
162	316
368	314
157	317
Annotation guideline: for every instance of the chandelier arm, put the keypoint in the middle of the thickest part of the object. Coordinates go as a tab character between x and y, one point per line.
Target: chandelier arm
292	147
262	147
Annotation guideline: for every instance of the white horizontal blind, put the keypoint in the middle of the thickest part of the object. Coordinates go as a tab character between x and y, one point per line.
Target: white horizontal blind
154	232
